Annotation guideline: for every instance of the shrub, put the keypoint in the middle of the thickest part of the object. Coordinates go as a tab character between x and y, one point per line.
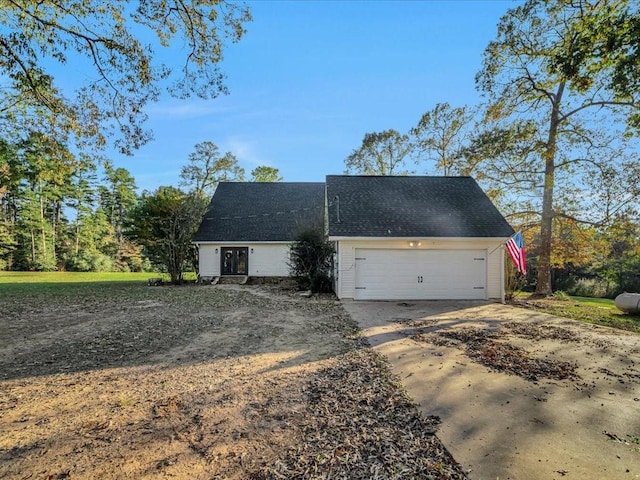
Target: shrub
560	295
590	287
89	261
311	260
514	281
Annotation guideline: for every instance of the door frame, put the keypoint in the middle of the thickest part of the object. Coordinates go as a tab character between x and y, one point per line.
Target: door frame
236	251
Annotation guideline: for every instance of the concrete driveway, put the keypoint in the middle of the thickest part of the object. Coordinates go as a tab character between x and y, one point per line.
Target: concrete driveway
521	395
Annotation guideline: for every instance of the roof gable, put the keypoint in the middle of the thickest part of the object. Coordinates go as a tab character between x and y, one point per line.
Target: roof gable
385	206
261	211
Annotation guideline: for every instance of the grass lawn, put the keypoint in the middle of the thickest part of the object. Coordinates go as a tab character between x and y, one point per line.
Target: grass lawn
31	283
73	277
600	311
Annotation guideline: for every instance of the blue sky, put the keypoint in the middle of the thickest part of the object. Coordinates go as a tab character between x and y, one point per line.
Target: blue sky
309	79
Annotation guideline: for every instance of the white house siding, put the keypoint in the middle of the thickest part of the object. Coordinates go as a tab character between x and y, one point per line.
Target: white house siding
265	259
208	260
492	246
269	260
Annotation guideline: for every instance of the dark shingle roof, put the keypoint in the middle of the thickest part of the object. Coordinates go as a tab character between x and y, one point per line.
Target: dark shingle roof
267	212
375	206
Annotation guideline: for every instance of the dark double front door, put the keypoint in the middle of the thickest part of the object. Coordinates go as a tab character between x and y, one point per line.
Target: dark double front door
234	261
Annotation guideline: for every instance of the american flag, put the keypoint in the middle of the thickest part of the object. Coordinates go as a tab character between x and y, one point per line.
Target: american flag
515	247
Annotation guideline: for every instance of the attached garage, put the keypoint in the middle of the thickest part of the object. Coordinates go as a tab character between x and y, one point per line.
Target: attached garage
415	238
395	274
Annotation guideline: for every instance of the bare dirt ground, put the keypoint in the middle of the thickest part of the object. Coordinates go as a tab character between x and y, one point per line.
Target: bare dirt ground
207	382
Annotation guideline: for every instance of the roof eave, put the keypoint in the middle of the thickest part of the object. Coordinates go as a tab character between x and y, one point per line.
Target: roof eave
360	238
239	242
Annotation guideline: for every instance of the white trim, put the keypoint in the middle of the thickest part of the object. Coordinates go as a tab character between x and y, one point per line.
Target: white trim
247	242
502	293
345	281
335	239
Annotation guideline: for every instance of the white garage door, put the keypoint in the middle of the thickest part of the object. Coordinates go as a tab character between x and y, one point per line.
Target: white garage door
420	274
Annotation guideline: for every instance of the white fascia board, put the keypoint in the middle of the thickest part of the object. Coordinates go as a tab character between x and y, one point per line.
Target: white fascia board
222	242
337	239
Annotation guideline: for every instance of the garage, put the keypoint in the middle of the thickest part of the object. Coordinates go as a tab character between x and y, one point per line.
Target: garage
414	238
407	274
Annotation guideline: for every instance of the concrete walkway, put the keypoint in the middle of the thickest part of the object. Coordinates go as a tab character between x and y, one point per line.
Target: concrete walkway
501	426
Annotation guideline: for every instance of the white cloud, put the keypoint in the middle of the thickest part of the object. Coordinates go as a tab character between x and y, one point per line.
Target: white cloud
191	109
245	150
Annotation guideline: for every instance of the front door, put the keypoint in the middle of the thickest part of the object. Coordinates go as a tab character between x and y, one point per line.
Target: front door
234	260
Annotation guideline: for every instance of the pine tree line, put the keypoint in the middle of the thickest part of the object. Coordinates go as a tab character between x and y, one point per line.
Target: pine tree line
58	213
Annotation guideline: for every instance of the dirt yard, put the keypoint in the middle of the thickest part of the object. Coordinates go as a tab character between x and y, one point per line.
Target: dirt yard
207	382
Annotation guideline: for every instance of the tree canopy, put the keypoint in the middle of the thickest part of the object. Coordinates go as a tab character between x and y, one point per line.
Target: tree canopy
264	173
565	67
441	135
381	153
164	223
115	45
206	168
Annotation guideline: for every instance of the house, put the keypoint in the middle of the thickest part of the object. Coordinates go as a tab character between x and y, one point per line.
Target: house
396	238
249	226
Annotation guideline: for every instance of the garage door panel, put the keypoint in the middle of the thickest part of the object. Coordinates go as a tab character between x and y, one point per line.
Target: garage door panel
420	274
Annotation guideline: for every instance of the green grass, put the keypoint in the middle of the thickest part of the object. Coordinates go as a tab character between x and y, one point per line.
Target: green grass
62	284
73	277
24	292
599	311
57	285
82	277
596	302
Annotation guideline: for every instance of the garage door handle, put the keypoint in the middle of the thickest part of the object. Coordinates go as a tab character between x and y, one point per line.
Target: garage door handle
420	279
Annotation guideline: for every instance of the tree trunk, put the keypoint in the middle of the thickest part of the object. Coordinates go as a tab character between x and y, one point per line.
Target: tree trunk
57	211
43	224
543	284
77	249
33	248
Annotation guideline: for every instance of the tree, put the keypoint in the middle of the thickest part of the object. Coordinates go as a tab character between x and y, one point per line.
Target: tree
264	173
381	153
81	192
504	160
8	207
42	169
621	266
565	67
106	41
164	223
117	198
442	134
207	168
